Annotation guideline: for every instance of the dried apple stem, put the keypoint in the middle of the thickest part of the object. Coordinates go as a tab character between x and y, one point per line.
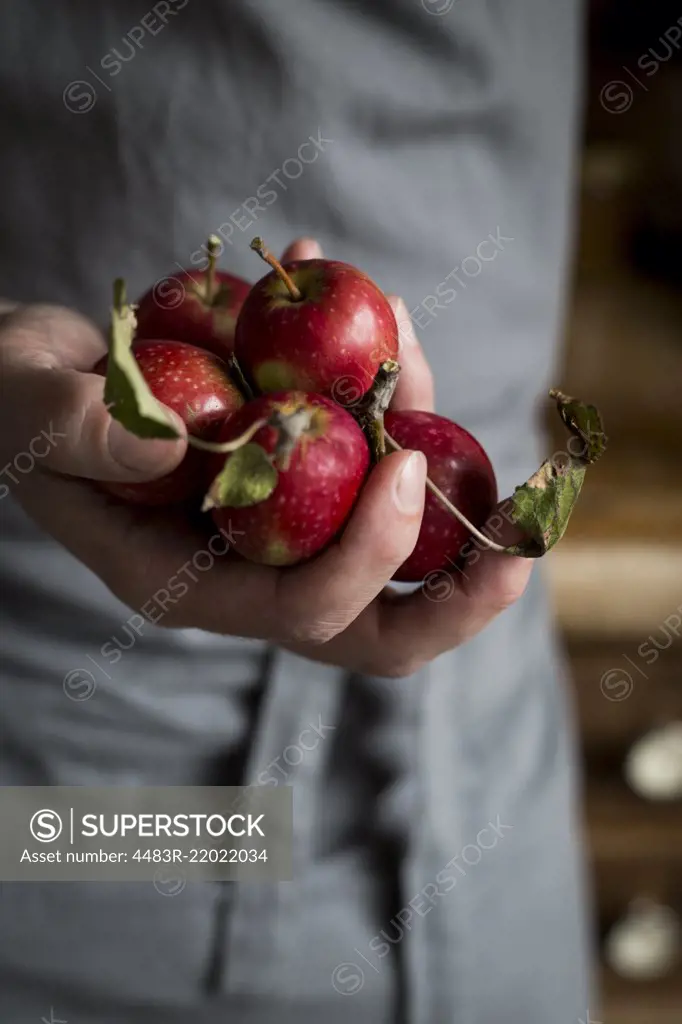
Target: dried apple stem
291	426
213	247
486	541
370	411
259	246
376	435
227	446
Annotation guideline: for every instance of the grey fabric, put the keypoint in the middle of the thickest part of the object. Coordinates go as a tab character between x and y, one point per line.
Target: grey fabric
434	133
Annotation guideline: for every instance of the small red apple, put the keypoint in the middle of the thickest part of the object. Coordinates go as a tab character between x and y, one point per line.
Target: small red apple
315	325
197	307
460	468
316	487
195	384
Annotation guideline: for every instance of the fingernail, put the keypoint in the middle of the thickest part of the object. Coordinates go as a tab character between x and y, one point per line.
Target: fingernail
313	247
408	493
134	453
303	249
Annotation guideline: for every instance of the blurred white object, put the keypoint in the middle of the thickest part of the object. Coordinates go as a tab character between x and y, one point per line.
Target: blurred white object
646	943
653	767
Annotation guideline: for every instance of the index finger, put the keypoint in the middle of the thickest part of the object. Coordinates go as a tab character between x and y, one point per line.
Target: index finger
415	388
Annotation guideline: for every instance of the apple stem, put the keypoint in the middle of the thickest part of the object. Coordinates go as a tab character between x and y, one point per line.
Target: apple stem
290	426
213	248
227	446
373	405
259	246
377	400
486	541
376	436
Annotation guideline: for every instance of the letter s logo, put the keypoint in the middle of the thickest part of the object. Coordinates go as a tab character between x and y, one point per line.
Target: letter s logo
46	826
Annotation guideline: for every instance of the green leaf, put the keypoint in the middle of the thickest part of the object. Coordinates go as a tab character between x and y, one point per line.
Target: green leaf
126	392
584	422
542	507
247	478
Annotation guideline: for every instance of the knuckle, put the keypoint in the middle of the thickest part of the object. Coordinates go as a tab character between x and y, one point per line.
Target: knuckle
315	631
72	406
512	590
503	601
67	408
391	550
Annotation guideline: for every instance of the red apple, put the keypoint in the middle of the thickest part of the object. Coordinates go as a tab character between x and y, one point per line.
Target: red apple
315	325
197	307
196	385
460	468
316	491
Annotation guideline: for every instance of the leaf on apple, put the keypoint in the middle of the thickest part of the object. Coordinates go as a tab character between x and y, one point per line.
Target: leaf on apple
542	507
126	392
247	478
584	422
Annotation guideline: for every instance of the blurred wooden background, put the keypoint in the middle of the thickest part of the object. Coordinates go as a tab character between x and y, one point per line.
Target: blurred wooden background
617	577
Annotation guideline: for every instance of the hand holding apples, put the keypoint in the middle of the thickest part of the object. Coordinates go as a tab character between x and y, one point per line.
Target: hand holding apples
330	608
333	607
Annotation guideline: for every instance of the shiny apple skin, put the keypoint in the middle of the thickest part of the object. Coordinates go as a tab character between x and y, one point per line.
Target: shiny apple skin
460	467
195	384
177	308
331	342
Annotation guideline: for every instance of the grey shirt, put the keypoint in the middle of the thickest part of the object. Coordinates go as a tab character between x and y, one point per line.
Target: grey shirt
430	143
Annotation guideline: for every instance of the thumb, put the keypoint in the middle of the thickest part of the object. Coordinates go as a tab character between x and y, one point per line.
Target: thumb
59	416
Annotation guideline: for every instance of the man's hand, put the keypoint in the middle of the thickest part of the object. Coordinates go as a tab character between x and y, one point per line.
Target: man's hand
335	608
